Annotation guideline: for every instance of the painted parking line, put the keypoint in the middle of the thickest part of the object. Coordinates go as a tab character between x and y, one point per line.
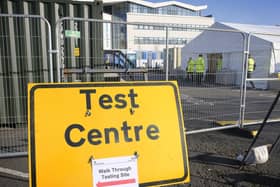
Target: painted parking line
14	172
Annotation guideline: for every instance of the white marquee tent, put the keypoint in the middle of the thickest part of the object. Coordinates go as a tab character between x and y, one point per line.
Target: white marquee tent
265	48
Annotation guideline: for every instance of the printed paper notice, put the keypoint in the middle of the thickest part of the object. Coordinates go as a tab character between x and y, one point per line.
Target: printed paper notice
116	172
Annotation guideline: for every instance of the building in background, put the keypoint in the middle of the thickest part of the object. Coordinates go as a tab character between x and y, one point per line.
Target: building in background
146	43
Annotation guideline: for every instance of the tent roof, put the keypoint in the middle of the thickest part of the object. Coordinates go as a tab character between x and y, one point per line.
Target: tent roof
268	33
216	41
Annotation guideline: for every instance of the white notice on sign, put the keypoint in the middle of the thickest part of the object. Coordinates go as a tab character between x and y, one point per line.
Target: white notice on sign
116	172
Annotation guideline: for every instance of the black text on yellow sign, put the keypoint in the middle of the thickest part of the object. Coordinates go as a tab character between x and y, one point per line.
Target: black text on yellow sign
69	123
107	102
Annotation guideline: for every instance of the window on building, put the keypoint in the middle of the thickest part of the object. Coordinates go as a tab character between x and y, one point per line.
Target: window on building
144	55
154	55
138	54
167	10
173	27
161	55
159	40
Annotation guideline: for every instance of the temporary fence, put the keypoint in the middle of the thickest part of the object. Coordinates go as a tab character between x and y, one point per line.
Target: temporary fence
265	50
129	55
211	96
85	56
25	57
272	139
127	52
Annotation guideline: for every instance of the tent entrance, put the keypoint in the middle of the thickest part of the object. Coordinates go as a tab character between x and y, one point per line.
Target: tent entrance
212	66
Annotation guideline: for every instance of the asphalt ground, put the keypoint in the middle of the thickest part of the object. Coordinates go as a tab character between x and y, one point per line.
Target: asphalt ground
13	172
211	105
212	158
212	154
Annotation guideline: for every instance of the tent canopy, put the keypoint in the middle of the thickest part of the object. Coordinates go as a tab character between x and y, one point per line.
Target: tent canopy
229	37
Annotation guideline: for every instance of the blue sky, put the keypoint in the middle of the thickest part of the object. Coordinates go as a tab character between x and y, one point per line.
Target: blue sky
260	12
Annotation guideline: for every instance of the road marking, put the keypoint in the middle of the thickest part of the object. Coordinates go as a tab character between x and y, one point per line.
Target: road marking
14	172
267	95
196	101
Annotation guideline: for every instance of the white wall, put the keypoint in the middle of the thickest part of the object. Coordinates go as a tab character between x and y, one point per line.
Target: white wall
275	58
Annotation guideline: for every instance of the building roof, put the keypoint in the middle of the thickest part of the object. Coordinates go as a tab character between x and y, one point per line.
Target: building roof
158	5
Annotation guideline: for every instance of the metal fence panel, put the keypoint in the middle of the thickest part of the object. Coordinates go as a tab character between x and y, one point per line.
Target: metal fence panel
128	53
23	59
80	48
95	50
263	82
99	50
26	56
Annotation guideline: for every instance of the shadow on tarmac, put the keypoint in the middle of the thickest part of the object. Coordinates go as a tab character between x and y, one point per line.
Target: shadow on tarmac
210	158
254	179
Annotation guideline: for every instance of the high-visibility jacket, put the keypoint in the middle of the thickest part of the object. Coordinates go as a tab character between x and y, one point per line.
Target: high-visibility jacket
219	65
200	65
107	61
190	68
251	65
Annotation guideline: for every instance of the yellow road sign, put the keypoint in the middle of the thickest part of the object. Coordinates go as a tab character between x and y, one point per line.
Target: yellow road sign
71	123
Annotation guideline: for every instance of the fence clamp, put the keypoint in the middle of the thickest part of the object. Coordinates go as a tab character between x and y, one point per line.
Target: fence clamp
246	52
85	70
53	51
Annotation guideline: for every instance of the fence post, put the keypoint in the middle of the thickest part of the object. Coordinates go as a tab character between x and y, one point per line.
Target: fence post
244	75
58	35
50	51
166	55
244	81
